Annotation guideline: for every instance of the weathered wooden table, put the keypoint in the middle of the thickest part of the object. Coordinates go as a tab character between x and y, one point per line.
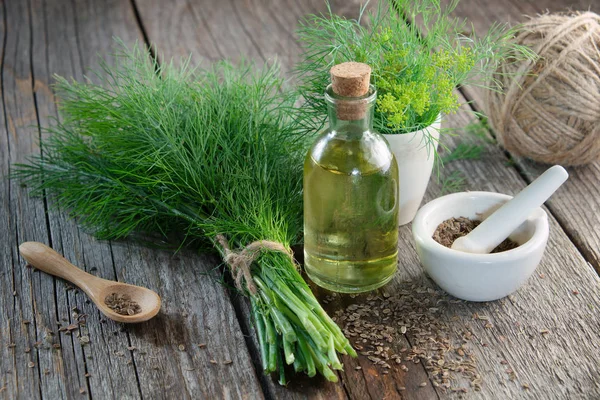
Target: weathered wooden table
542	342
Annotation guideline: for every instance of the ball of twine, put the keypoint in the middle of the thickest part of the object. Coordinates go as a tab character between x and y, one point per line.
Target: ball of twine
549	110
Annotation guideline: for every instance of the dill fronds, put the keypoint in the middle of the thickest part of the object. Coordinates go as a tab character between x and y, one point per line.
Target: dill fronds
206	152
419	54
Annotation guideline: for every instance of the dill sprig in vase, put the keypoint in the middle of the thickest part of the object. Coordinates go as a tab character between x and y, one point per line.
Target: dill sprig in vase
350	191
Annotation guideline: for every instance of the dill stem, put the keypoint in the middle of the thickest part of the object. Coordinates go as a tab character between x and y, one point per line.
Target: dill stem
281	322
288	351
260	331
282	378
298	365
335	362
321	363
272	344
307	356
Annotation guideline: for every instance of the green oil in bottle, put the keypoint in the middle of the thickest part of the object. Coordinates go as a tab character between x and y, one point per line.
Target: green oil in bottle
350	201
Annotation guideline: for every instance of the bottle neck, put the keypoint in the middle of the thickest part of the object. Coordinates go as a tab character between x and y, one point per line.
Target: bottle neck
351	115
337	124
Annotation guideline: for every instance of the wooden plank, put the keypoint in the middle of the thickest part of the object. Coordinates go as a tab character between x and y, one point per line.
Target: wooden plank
63	37
576	205
518	348
561	297
531	308
196	311
369	381
545	362
20	216
144	369
57	29
252	30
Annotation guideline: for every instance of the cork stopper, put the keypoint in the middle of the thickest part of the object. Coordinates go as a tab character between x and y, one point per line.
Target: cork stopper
351	79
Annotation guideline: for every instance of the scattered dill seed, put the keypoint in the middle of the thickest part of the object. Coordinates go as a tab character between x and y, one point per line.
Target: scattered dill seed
30	364
415	309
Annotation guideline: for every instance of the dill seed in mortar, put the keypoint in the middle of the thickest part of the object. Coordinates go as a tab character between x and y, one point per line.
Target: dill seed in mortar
451	229
122	304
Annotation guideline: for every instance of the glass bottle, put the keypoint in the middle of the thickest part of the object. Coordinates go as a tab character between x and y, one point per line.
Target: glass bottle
350	200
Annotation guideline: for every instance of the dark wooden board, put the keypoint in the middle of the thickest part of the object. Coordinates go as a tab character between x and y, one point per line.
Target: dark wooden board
41	38
546	332
259	31
576	205
151	360
560	297
369	381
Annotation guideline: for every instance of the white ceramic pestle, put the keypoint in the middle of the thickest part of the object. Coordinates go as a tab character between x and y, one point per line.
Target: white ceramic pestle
498	226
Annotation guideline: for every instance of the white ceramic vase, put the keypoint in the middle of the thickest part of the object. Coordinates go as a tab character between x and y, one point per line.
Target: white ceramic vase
415	154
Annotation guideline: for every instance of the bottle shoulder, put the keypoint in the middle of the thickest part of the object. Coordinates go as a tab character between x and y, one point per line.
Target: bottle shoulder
349	153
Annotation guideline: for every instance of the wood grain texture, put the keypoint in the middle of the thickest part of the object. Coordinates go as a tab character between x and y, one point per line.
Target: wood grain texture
562	297
577	205
161	358
257	30
546	332
65	37
525	350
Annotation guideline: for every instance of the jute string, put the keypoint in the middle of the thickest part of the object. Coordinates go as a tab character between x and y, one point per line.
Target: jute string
551	111
241	261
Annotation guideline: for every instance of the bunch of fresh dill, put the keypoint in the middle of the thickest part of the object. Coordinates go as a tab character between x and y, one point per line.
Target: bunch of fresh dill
161	149
418	52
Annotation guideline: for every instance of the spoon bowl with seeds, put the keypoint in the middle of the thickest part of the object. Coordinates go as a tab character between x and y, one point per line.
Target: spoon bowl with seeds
118	301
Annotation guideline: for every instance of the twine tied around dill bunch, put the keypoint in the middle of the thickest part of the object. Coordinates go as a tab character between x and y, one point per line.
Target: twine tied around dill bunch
550	112
241	261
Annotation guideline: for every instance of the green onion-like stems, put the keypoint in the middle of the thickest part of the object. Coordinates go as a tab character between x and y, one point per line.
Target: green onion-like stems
289	320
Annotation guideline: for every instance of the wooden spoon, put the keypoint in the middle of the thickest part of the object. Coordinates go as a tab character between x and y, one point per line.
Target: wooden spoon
45	259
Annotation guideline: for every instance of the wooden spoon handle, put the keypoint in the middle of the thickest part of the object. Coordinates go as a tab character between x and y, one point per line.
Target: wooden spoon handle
46	259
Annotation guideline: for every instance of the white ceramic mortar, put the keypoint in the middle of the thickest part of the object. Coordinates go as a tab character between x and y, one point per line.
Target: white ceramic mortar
478	277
